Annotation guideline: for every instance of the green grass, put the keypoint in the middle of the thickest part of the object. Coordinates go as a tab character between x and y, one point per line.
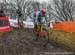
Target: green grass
1	34
4	33
65	38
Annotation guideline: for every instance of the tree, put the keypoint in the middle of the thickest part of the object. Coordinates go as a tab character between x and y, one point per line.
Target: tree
22	8
49	10
36	6
63	10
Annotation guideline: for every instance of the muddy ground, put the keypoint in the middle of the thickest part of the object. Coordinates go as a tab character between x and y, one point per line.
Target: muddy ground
20	42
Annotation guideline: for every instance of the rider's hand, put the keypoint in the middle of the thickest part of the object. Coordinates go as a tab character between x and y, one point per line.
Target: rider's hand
37	23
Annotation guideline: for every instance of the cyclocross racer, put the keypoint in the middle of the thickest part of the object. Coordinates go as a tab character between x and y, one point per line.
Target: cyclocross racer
38	19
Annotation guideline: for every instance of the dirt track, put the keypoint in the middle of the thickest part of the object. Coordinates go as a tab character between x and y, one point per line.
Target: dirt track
20	42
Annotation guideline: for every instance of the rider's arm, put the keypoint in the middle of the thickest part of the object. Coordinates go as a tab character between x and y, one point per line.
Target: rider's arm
36	19
46	18
37	16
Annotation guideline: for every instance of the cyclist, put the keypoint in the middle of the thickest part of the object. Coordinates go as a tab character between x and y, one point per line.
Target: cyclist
38	19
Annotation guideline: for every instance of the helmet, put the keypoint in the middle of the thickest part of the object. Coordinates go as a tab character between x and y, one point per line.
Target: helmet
43	11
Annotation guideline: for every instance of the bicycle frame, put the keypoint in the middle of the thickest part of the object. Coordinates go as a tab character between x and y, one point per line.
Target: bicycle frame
41	30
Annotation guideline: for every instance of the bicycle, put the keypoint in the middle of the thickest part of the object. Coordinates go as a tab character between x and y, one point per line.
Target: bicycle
43	33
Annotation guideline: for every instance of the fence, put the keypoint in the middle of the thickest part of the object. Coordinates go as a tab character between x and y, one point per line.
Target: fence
65	26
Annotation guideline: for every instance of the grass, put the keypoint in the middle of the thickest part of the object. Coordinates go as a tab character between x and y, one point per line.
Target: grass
4	33
65	38
1	34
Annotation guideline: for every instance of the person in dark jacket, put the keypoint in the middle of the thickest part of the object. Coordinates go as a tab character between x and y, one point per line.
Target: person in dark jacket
2	13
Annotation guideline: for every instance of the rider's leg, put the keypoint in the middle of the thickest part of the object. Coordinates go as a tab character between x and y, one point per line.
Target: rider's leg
36	32
46	38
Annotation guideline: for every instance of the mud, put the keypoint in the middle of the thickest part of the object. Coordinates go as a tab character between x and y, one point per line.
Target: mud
20	42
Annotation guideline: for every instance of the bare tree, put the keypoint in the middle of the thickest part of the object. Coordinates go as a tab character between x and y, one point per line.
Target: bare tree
63	10
22	8
49	10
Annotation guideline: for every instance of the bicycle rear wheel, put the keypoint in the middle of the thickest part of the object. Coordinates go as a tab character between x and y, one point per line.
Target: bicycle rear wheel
45	37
